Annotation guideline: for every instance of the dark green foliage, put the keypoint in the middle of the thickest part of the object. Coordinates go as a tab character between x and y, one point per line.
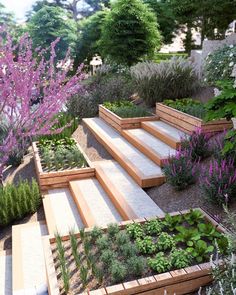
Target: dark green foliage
168	56
165	242
153	227
180	258
102	243
84	275
126	109
107	257
16	201
187	235
135	230
146	245
49	23
90	34
122	238
74	248
98	273
208	230
171	222
128	250
136	265
95	233
130	32
194	217
118	271
112	230
160	263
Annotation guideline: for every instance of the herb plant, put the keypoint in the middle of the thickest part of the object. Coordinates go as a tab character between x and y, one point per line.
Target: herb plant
200	251
118	271
160	263
135	230
165	242
146	245
153	227
180	258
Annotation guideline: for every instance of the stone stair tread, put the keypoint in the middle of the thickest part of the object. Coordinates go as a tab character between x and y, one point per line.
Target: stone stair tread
135	162
133	198
5	273
167	129
28	266
95	205
151	143
61	212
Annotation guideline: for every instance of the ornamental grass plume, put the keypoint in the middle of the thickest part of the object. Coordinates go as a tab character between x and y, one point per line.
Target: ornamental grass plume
218	182
181	170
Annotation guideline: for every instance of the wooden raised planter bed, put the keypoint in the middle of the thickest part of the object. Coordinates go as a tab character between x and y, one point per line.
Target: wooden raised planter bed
181	281
189	123
122	123
57	179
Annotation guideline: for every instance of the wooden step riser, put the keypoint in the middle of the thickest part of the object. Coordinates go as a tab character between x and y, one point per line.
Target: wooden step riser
147	151
83	208
117	199
163	137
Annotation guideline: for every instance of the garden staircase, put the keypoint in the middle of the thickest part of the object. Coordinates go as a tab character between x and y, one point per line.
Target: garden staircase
140	151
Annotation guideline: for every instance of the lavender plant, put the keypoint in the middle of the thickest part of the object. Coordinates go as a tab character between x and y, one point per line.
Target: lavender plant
218	182
180	170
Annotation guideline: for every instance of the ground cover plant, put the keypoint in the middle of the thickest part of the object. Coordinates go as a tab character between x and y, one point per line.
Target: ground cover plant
187	105
16	201
126	109
103	258
60	154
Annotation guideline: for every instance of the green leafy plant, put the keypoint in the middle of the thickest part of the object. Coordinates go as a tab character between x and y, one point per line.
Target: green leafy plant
153	227
180	258
103	243
194	217
118	271
187	235
160	263
165	242
200	251
122	238
171	222
98	273
135	230
95	233
128	250
208	230
146	245
84	275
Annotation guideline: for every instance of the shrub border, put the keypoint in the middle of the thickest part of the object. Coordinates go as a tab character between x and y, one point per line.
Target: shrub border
58	179
122	123
182	281
188	123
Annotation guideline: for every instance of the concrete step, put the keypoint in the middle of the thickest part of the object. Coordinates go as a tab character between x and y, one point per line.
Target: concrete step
28	266
61	212
131	200
165	132
94	204
144	171
5	273
149	145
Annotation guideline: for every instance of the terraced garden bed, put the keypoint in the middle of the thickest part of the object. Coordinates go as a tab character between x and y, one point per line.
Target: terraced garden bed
136	257
59	161
124	115
189	123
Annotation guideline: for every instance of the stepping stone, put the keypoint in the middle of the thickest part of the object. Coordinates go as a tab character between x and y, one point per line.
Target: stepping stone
61	212
145	172
152	147
167	133
94	205
125	193
28	266
5	273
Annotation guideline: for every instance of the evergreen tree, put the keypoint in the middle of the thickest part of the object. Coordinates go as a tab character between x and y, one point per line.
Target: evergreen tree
129	32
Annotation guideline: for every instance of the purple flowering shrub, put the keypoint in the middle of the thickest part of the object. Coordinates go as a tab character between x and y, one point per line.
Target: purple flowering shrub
180	170
218	182
198	144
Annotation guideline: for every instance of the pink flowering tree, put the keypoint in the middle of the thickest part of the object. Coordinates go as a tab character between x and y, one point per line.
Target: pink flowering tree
32	92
